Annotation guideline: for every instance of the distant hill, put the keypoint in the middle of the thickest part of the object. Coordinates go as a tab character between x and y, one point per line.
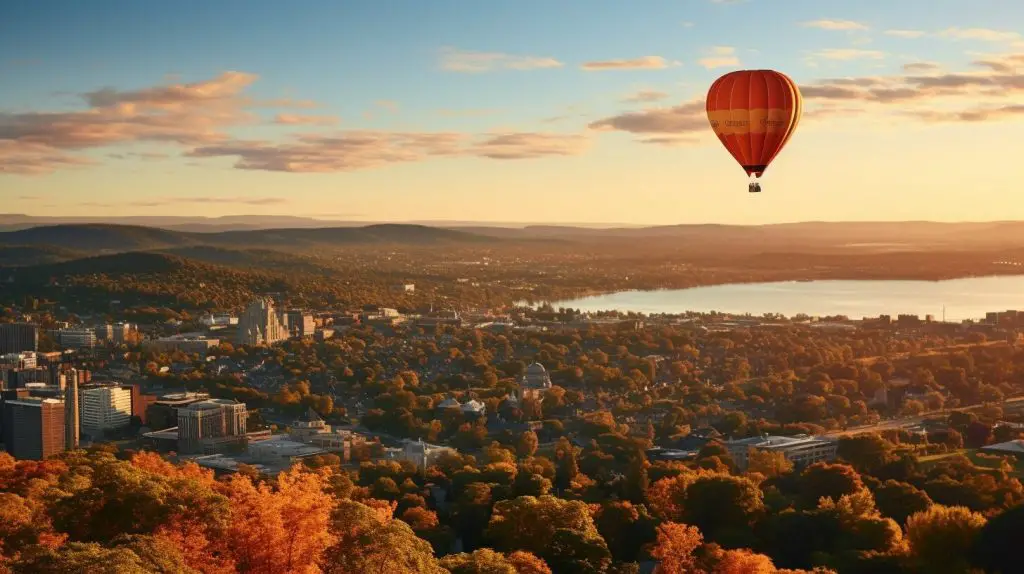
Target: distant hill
20	255
95	238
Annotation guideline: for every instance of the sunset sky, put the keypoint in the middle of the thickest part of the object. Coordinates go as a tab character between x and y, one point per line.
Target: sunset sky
524	110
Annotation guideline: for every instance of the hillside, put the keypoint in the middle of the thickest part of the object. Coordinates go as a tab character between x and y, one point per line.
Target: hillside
20	255
98	239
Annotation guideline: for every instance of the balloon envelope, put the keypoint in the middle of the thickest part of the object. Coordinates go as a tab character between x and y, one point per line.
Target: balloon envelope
754	113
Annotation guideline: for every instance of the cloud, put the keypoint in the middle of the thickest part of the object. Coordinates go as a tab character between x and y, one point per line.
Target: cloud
980	114
643	63
304	120
905	33
212	199
923	92
528	145
387	104
645	96
686	24
826	24
454	60
186	114
144	155
681	119
670	141
847	54
354	150
34	159
720	57
920	67
983	34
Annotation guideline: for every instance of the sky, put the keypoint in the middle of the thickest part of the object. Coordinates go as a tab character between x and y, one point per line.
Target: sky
505	110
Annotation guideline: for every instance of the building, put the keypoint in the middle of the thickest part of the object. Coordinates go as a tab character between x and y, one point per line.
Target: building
211	426
189	344
423	454
24	360
18	337
311	429
163	413
75	338
104	409
219	320
404	287
279	451
301	324
33	428
72	412
535	381
140	402
261	324
801	450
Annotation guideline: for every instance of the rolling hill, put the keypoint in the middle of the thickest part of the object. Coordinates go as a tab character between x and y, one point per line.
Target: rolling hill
98	239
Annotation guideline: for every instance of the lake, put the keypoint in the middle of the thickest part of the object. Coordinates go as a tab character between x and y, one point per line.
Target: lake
968	298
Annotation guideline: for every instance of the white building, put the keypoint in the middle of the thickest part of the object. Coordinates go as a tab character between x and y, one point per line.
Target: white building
102	409
535	381
261	324
280	451
220	320
801	450
423	454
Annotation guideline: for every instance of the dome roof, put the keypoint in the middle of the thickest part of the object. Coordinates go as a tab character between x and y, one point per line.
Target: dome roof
448	403
536	369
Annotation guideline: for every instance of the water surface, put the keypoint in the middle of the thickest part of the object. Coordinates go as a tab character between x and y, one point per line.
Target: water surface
967	298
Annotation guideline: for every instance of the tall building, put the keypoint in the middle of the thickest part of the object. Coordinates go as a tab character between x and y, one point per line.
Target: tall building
33	428
18	337
212	426
75	338
535	382
301	324
103	409
261	324
72	416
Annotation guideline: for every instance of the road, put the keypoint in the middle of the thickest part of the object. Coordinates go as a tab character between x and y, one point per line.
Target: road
908	421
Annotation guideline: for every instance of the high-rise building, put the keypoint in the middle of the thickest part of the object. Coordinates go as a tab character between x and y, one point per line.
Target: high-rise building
261	324
33	427
18	337
103	409
72	415
301	324
75	338
211	426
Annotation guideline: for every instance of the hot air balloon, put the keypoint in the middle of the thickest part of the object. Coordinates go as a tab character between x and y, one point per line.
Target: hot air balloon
754	113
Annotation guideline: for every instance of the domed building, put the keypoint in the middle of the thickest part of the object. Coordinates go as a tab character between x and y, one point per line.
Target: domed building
535	381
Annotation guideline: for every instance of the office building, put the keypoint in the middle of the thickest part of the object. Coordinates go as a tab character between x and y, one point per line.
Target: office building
33	427
18	338
801	450
103	409
72	414
211	426
189	344
75	338
261	324
300	324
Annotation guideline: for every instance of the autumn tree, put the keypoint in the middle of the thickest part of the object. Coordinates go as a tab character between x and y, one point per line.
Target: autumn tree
674	548
941	537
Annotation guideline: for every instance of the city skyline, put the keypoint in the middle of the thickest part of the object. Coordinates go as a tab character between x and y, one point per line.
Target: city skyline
505	111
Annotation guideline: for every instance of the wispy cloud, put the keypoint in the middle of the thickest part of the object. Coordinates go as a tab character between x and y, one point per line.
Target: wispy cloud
991	91
905	33
645	96
827	24
847	54
643	63
720	57
455	60
983	34
304	120
212	199
355	150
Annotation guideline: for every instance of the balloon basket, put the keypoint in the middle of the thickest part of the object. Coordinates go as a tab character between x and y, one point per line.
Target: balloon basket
754	187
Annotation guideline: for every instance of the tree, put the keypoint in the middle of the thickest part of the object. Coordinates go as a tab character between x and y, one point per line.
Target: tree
899	500
626	528
827	480
723	507
768	463
997	548
527	444
370	541
674	548
529	523
574	551
526	563
482	561
941	537
866	452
